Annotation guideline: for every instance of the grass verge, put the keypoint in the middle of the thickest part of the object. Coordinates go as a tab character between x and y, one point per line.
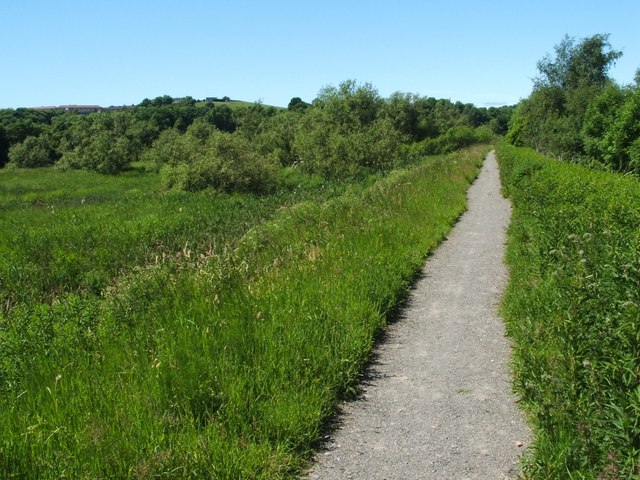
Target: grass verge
572	308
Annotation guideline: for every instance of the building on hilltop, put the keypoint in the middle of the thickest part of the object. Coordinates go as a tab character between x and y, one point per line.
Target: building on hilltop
83	109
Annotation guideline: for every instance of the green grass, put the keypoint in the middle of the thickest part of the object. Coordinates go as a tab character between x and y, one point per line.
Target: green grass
573	310
223	364
76	231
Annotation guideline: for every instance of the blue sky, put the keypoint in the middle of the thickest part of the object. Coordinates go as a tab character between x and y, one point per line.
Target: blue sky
114	52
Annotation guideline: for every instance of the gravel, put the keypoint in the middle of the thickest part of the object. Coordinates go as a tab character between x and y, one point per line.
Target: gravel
437	400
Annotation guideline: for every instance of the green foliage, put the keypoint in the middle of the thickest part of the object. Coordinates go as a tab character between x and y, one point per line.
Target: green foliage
499	118
551	119
453	139
218	362
32	152
298	105
226	163
206	158
572	308
250	118
171	148
277	135
576	66
349	106
599	119
612	128
345	135
17	125
4	147
413	115
624	136
327	149
104	144
348	132
545	122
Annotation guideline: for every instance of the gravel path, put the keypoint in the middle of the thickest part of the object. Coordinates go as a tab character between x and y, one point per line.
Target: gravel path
437	402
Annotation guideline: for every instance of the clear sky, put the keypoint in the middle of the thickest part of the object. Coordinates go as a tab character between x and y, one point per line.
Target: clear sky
118	52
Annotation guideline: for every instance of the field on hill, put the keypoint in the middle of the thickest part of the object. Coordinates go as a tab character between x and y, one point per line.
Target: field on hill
147	332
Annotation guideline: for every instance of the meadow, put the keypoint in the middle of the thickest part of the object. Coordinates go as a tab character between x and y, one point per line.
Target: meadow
148	333
572	309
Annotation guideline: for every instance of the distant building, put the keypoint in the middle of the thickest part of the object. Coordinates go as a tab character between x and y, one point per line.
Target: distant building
83	109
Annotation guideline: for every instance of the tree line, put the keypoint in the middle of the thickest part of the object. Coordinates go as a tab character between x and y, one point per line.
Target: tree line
348	131
576	112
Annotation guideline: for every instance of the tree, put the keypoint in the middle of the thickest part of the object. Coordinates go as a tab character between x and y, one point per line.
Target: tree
226	162
4	147
33	152
623	136
250	118
103	142
277	136
346	135
404	112
221	117
297	104
583	65
349	105
551	119
599	120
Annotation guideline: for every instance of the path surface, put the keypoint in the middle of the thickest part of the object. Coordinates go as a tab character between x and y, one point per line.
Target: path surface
437	401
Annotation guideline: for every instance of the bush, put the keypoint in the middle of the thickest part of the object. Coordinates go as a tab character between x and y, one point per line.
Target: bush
33	152
326	148
277	136
171	148
226	162
455	138
103	144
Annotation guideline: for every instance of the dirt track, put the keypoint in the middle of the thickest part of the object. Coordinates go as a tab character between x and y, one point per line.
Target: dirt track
437	401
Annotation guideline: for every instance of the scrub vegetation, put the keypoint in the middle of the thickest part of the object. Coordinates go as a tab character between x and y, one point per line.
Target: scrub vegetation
195	304
188	288
347	131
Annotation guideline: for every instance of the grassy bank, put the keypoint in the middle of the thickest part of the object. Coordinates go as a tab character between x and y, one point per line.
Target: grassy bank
573	310
223	362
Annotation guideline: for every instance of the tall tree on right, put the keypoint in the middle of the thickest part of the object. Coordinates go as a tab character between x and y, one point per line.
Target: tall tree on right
551	119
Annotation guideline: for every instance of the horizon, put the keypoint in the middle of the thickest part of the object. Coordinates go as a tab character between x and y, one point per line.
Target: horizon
176	99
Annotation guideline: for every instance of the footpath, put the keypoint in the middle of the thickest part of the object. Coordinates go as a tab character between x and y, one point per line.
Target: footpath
437	401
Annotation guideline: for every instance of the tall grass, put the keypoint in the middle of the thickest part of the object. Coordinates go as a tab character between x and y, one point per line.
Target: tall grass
225	364
573	309
76	231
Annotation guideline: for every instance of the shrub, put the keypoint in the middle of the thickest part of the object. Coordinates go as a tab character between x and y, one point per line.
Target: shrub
332	151
277	136
170	148
226	162
32	152
455	138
